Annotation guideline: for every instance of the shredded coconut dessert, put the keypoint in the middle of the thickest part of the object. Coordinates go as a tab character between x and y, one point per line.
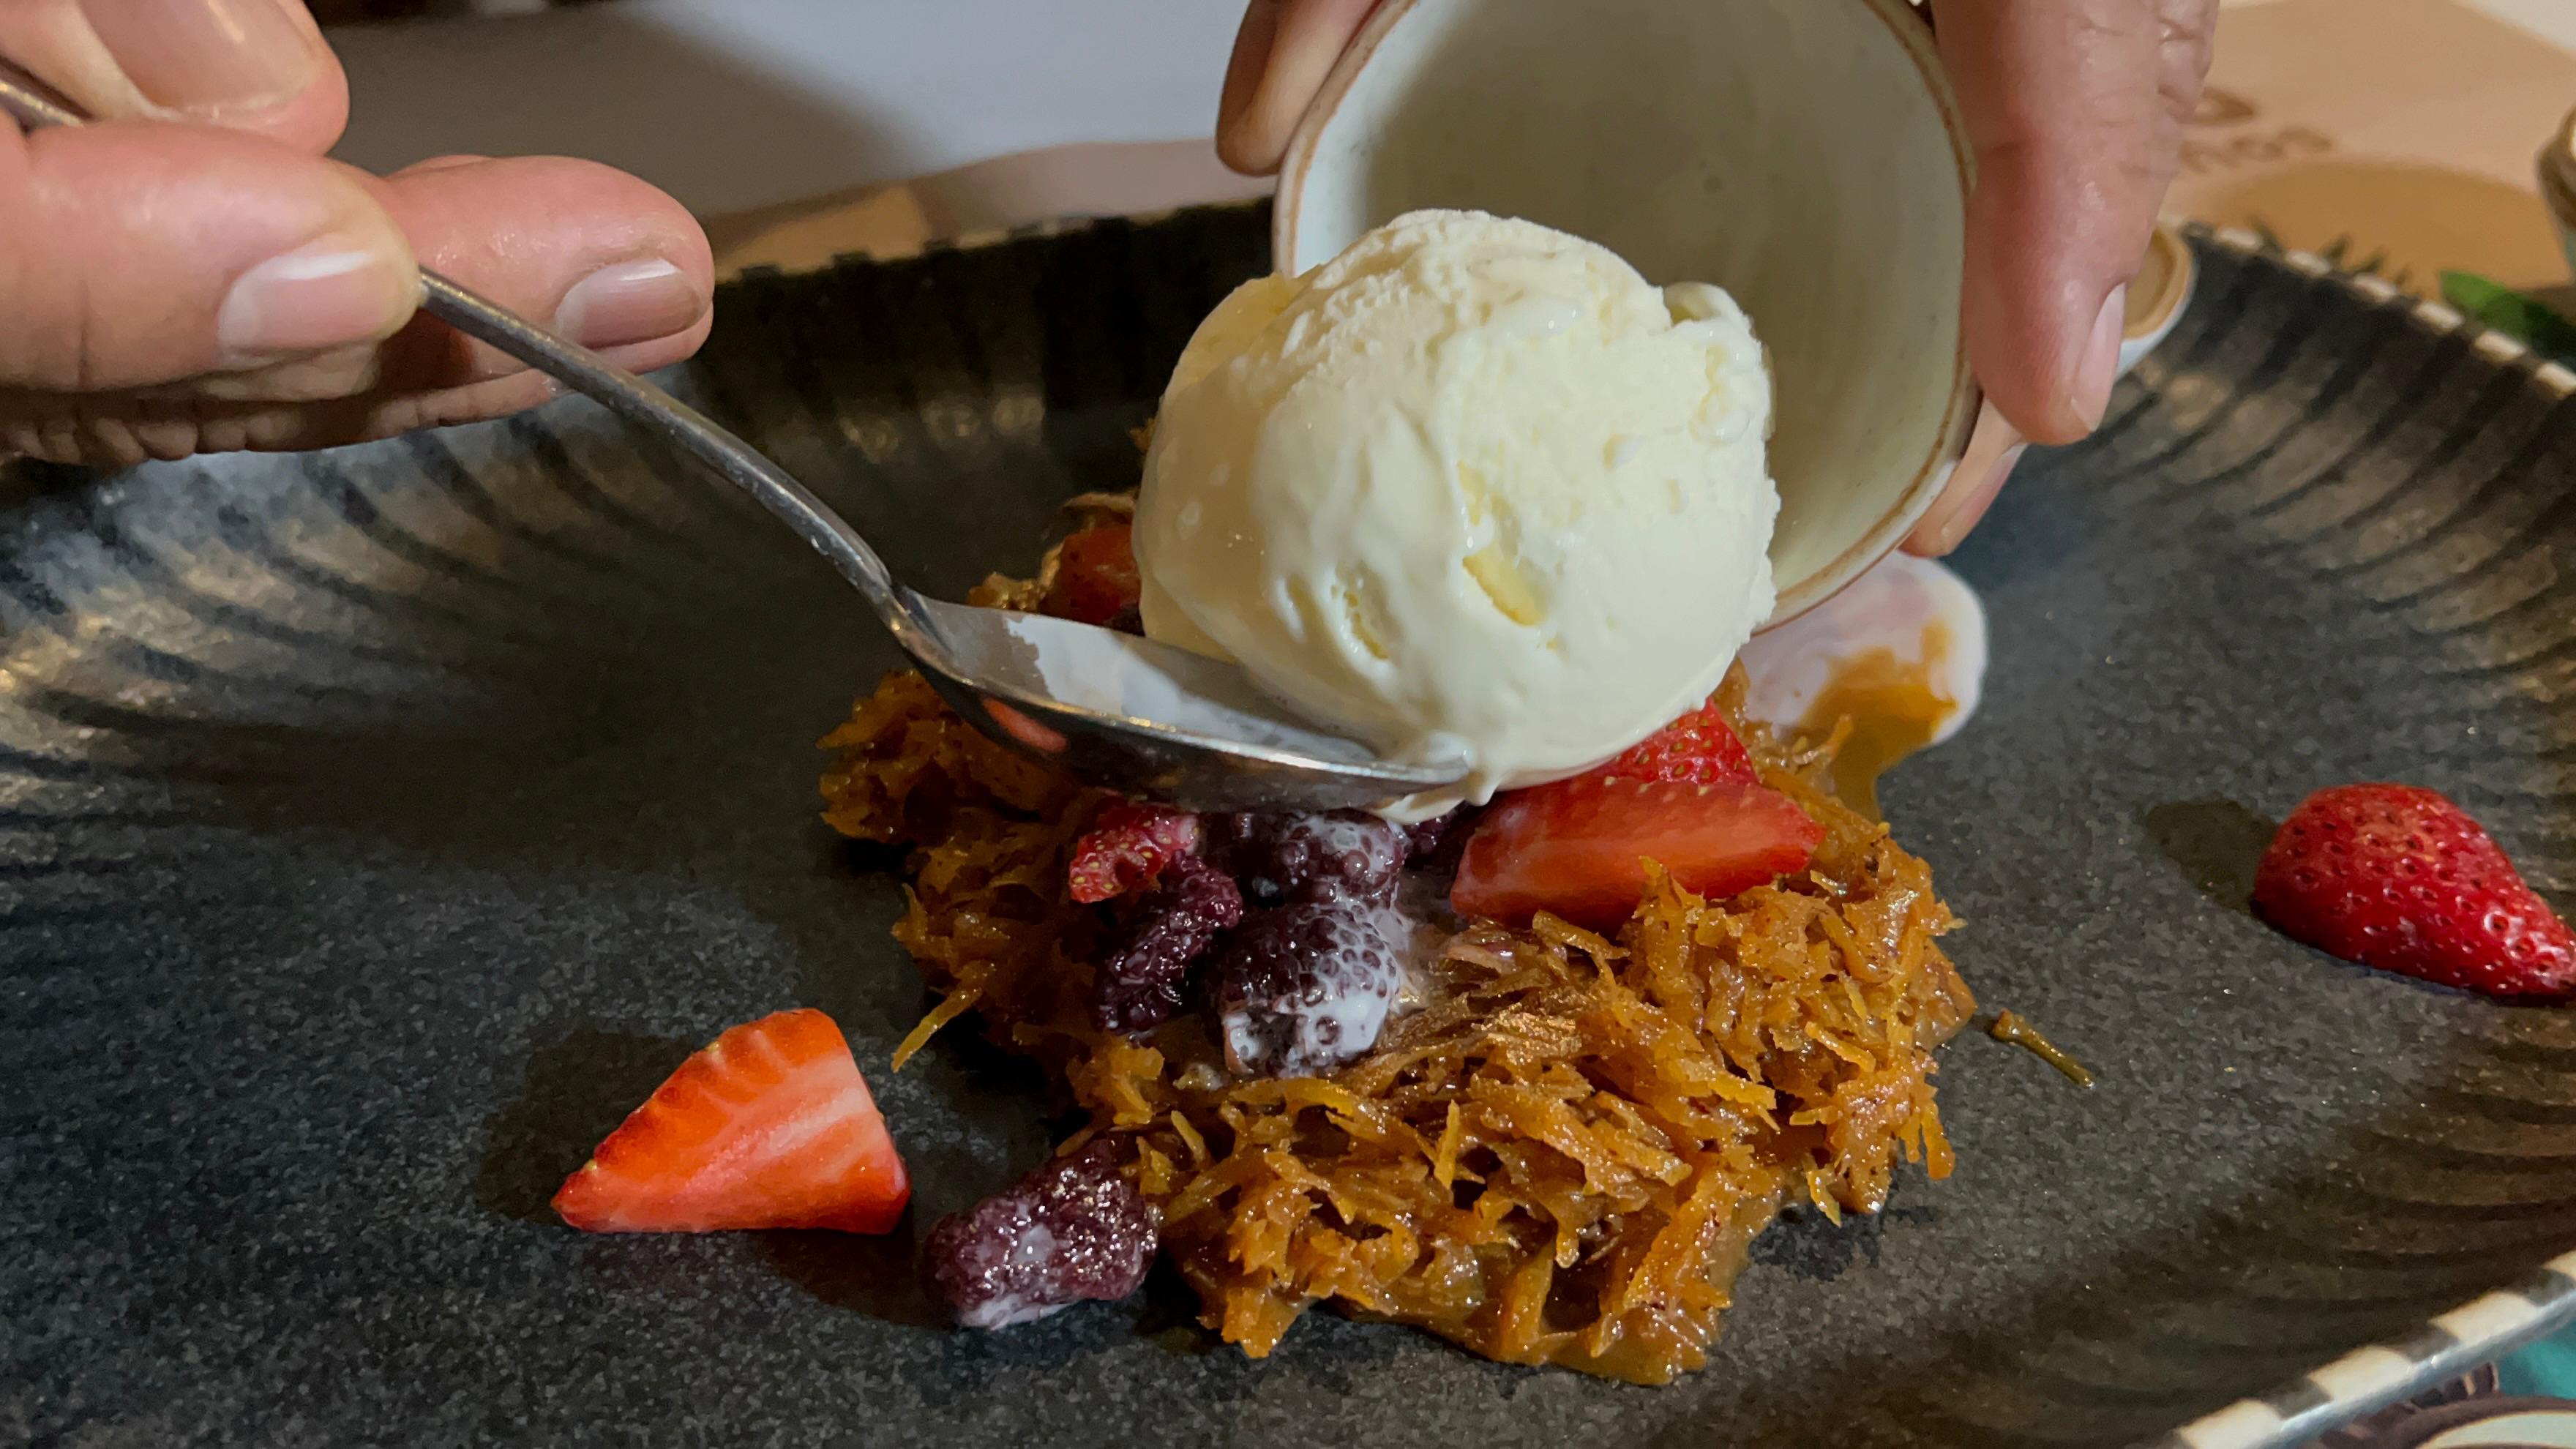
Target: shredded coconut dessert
1308	1076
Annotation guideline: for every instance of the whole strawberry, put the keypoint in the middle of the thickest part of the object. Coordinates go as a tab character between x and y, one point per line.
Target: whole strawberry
2398	877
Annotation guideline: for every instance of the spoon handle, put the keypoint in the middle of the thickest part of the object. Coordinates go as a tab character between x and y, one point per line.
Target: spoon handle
675	422
630	397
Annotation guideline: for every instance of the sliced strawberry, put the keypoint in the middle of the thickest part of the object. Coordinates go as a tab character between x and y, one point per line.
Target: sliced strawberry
1127	848
1095	577
1590	874
769	1127
1582	853
2398	877
1700	748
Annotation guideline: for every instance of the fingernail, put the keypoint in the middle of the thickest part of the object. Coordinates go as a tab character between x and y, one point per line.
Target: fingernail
328	294
2101	365
1951	520
196	55
629	302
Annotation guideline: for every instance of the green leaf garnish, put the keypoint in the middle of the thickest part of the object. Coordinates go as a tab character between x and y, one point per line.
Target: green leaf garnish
2522	318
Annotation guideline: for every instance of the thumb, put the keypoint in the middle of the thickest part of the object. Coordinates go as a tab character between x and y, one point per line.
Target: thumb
136	254
2062	100
1282	55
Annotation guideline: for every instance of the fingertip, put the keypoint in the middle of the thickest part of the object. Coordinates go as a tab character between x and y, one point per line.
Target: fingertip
2062	104
311	120
1243	154
353	285
153	252
628	302
2029	296
1283	55
2016	320
338	294
1243	69
255	66
2045	350
1252	144
599	255
497	217
660	352
2098	368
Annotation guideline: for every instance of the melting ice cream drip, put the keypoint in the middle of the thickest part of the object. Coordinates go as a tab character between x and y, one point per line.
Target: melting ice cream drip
1901	653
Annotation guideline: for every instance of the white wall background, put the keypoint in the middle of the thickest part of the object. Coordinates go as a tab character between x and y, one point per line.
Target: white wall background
737	104
734	104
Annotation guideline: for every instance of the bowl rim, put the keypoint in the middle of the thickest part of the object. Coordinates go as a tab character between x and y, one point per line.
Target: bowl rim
1966	402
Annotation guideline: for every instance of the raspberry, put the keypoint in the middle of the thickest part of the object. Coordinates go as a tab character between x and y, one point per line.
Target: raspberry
1305	987
1073	1229
1138	984
1126	848
1343	855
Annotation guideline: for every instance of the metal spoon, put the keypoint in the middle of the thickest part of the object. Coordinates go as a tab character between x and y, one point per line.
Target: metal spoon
1112	709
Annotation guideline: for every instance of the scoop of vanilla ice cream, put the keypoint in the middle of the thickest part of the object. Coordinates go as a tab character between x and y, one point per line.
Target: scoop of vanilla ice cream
1473	482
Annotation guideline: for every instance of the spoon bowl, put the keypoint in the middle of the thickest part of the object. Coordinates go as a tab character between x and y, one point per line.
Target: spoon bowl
1194	731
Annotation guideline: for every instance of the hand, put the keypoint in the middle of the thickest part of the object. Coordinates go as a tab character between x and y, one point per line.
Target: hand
2075	109
190	274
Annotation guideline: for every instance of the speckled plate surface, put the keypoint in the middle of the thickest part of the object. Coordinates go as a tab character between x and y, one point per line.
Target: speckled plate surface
376	827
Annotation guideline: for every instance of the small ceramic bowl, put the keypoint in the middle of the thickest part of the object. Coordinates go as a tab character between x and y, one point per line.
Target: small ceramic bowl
2157	294
1805	155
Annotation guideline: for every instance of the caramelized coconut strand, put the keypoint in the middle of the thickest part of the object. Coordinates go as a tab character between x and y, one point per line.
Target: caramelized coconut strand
1089	508
2009	1027
1085	510
1559	1157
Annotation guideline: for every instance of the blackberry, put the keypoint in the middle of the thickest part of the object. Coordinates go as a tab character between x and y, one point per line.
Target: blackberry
1137	985
1280	857
1075	1228
1434	844
1303	988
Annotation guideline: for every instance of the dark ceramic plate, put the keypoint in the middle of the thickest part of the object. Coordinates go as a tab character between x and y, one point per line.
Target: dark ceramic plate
376	827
